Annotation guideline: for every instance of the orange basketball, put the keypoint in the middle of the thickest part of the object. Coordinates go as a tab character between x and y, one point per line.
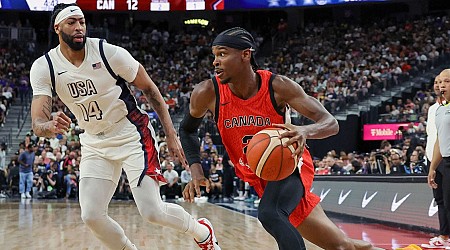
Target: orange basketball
267	157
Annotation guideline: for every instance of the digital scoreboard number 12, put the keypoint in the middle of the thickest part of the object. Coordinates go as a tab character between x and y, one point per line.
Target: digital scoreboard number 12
132	4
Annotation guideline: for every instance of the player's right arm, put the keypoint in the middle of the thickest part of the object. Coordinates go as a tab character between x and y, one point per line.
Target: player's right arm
41	106
202	100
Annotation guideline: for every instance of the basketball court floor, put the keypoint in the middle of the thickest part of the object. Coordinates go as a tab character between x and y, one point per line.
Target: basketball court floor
56	224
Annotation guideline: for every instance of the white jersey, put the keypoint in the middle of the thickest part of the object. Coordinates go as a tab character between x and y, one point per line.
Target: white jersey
431	131
95	97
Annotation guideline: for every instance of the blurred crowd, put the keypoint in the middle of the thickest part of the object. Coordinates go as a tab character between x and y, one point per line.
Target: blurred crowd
404	158
341	64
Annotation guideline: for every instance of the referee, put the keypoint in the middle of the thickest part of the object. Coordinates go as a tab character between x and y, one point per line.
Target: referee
441	151
438	194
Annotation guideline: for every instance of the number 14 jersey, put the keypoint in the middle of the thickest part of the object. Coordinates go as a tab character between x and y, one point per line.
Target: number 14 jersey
93	95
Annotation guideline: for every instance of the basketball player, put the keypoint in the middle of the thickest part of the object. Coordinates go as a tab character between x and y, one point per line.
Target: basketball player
91	77
439	174
245	101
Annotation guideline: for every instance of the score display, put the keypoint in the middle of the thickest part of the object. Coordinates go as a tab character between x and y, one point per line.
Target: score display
151	5
171	5
116	5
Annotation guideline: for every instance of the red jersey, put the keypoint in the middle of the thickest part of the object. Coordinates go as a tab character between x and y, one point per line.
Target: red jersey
238	120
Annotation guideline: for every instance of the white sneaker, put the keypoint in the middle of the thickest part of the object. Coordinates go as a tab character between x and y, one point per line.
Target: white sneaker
211	242
436	242
240	198
23	196
27	195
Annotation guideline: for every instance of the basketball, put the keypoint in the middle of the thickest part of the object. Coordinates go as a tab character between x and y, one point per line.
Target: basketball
267	157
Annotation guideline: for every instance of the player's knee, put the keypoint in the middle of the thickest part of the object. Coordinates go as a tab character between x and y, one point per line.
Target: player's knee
268	217
91	219
91	215
155	214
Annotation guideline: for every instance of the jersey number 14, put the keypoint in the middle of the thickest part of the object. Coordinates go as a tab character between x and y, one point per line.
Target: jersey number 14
92	110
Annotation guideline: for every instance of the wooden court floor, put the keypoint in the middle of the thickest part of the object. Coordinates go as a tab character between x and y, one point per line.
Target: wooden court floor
38	224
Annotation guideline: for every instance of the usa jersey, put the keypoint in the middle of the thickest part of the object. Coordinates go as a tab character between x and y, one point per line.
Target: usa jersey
238	120
91	92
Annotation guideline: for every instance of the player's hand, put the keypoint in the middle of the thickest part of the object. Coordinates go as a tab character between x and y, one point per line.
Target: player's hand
431	181
192	189
60	123
296	135
174	147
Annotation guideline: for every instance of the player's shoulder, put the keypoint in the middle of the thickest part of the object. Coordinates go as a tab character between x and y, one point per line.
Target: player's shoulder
281	82
40	60
205	87
39	64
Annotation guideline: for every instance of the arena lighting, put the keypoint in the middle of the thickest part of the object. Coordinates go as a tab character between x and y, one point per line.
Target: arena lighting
194	21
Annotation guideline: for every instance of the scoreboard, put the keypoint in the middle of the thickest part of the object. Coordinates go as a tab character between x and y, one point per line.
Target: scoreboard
171	5
150	5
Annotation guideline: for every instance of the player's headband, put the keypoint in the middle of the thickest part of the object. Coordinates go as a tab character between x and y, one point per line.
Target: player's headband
68	12
234	42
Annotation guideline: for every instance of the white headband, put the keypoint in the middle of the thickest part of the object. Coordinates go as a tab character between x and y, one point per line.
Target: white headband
68	12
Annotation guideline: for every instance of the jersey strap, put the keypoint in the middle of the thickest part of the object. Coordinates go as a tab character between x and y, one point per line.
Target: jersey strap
272	95
216	90
102	54
52	73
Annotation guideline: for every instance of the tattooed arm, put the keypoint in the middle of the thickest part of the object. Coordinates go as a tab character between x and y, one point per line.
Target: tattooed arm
154	97
42	122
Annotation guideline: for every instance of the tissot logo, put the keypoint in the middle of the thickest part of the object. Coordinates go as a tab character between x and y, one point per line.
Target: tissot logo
366	200
343	197
323	195
433	208
396	204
